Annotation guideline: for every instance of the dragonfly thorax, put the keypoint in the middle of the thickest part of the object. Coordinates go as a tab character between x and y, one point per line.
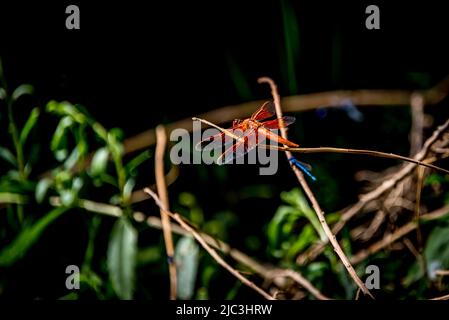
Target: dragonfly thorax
250	124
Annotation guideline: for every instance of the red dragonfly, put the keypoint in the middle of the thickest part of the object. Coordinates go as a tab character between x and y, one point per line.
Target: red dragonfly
251	132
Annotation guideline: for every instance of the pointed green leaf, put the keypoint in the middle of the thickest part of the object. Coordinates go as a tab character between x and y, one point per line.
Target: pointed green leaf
32	119
186	257
121	258
99	162
7	155
2	94
41	189
20	245
22	90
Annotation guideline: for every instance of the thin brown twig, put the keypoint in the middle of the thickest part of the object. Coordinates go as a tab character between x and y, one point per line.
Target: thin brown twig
297	277
417	128
445	297
328	149
162	191
310	194
399	233
205	245
442	273
265	271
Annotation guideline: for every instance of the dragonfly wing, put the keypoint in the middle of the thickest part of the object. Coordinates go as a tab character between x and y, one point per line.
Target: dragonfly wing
240	148
274	124
267	110
217	141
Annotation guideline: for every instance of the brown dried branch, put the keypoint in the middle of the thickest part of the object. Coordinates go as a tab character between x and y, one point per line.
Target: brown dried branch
267	272
162	190
399	233
206	246
417	128
310	194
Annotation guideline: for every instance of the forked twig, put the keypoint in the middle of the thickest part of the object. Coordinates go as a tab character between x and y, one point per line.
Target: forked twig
205	245
311	196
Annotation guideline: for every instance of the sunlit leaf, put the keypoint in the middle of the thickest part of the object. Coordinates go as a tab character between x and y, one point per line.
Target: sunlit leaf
20	245
41	189
128	189
67	197
305	238
7	155
99	162
121	258
22	90
8	197
186	257
2	94
32	119
274	231
59	140
132	165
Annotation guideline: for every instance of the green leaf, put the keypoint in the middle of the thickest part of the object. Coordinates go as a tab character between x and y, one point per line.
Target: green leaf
22	90
137	161
20	245
296	198
121	258
32	119
99	162
8	197
128	189
275	226
59	141
186	257
436	251
148	255
41	189
7	155
305	238
68	197
2	94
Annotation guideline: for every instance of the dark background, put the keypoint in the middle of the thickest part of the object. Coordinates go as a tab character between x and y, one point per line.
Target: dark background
135	65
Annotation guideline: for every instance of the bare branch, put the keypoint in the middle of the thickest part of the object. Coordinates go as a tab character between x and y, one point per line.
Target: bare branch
162	190
311	196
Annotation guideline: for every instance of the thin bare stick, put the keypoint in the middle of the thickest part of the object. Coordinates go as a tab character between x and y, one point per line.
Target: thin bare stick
399	233
445	297
416	131
264	270
206	246
442	273
162	190
310	194
328	149
372	153
297	277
